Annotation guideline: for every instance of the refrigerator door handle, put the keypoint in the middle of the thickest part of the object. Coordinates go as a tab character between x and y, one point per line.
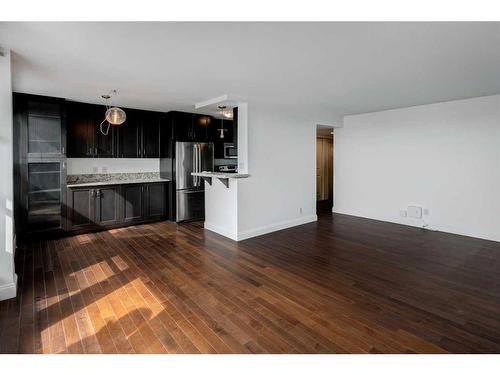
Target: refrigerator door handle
195	162
199	164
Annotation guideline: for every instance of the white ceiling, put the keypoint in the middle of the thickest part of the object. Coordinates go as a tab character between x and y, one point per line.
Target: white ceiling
321	69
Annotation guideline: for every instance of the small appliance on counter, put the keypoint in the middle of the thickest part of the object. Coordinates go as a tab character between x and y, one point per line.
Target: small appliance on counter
227	168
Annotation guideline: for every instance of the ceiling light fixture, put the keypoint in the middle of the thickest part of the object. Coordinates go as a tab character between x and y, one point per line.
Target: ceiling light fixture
227	114
113	115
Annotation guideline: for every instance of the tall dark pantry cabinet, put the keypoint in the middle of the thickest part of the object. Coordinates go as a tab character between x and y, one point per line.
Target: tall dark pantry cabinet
39	163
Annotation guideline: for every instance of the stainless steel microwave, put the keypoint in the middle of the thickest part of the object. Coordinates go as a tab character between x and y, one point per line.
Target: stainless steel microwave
230	151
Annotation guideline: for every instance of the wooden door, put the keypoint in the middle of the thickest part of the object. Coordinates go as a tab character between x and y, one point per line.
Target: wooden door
324	168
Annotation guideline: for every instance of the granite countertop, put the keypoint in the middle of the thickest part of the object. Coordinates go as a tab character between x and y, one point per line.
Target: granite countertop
221	174
84	180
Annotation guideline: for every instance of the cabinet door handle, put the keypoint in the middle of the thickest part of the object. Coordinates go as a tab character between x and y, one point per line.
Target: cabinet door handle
91	192
98	193
95	150
62	150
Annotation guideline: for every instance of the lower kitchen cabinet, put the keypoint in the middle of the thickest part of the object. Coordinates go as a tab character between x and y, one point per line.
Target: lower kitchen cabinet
156	201
107	207
96	207
81	208
133	202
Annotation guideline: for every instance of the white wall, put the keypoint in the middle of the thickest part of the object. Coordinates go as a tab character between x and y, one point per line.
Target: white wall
7	275
282	168
108	165
444	157
221	208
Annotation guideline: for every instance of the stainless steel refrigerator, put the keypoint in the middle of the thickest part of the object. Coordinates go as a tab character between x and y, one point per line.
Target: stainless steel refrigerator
190	190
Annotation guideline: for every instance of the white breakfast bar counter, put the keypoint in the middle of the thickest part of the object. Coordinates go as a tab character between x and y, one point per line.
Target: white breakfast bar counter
221	201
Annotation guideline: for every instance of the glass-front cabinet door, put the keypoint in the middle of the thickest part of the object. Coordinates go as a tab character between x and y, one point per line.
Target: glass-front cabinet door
44	198
45	136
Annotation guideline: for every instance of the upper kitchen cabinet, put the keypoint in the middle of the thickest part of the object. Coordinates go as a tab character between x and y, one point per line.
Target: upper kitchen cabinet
80	132
84	135
139	135
150	134
190	127
129	136
202	125
183	124
42	130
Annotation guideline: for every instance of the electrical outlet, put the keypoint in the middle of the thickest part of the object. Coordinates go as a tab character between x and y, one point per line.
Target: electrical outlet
426	211
300	210
403	213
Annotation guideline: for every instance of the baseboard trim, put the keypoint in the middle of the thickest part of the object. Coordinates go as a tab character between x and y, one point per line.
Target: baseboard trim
275	227
433	227
8	291
223	232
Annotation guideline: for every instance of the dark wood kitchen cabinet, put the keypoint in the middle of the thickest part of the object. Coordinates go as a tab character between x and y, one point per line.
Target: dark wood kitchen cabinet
190	127
84	136
144	202
107	205
150	126
93	207
155	196
81	208
79	131
129	136
39	163
139	136
133	202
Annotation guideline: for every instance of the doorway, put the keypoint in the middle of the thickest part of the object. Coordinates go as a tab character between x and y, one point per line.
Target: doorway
324	167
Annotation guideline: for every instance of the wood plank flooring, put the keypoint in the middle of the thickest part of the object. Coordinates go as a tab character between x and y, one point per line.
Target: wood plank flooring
341	285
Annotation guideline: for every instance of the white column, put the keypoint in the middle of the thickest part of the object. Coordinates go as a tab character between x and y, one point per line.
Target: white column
8	277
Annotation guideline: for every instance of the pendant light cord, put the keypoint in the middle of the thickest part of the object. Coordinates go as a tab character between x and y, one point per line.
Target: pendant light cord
107	107
107	129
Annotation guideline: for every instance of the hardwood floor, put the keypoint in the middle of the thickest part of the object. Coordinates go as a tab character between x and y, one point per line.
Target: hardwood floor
341	285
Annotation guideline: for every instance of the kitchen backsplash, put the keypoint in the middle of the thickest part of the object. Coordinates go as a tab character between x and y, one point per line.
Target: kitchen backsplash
81	166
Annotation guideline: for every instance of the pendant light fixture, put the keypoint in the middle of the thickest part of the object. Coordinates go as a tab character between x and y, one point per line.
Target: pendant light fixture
224	113
113	115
